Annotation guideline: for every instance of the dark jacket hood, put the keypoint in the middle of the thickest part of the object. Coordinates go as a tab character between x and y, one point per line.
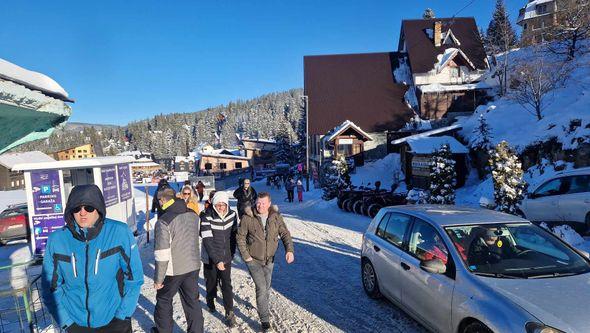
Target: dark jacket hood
89	195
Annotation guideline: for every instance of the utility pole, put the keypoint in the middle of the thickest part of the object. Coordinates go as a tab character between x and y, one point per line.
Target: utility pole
306	106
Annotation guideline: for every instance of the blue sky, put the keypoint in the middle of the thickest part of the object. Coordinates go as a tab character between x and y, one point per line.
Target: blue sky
129	60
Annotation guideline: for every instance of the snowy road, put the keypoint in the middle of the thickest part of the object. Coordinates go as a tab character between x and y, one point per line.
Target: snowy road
320	292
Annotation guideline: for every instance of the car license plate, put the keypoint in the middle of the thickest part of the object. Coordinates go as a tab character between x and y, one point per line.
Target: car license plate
14	226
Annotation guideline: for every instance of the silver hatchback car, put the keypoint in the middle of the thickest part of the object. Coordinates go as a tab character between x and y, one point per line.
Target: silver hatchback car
457	269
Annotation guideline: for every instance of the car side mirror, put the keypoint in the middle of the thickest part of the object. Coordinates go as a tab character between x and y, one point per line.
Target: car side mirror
433	266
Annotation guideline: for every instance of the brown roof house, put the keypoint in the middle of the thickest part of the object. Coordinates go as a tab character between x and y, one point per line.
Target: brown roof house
358	88
445	65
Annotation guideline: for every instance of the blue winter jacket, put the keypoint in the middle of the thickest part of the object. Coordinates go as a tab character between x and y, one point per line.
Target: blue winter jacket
91	275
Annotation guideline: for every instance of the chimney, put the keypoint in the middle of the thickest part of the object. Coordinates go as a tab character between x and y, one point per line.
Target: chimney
437	33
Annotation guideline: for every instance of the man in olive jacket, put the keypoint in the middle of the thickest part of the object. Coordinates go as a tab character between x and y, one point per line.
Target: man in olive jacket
257	240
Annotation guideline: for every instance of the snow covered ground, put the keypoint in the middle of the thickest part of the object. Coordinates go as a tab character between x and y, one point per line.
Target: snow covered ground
320	292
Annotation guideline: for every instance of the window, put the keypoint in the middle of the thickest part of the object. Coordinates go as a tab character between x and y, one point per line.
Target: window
381	227
541	9
426	243
238	165
553	187
579	184
396	229
455	72
208	166
525	26
344	149
222	166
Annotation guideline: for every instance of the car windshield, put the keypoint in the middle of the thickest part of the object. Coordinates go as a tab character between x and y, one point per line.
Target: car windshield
515	250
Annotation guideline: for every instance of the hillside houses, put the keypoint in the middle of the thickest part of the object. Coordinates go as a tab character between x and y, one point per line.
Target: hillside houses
437	72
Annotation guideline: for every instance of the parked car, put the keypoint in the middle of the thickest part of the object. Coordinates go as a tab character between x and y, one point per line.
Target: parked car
564	197
14	223
466	270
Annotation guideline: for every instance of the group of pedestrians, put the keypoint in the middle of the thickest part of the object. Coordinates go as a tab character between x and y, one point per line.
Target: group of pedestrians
92	271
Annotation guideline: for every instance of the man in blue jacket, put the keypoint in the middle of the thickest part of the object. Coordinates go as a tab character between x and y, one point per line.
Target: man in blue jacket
92	273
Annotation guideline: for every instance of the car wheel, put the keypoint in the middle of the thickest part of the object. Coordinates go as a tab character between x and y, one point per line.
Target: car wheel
477	327
369	277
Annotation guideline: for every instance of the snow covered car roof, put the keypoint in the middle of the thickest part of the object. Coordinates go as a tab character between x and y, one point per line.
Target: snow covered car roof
448	215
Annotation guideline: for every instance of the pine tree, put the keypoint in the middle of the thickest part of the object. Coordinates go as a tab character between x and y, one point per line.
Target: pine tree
442	177
500	31
285	152
500	39
481	138
509	186
335	178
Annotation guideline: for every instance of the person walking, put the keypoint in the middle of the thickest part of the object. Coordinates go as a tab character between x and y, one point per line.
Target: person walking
290	187
258	246
93	259
299	190
190	198
200	187
246	196
219	226
156	207
178	260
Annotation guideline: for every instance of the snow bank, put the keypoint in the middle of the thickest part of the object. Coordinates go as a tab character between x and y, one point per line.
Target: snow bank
384	170
30	79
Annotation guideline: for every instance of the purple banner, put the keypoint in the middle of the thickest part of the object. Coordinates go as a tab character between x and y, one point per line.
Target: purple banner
124	182
43	225
109	186
46	192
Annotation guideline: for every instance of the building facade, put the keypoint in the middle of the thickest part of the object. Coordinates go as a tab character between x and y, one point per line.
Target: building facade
75	153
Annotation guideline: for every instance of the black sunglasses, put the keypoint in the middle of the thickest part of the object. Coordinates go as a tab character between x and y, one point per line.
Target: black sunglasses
88	209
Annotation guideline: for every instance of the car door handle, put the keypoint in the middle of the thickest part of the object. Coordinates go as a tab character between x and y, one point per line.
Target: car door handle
377	248
405	266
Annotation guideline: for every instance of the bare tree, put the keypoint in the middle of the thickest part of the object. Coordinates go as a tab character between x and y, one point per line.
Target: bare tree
571	29
534	79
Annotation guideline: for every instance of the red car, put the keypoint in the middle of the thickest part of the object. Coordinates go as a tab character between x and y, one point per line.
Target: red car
14	223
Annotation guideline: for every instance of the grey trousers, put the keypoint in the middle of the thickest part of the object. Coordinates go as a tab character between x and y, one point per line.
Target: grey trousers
262	276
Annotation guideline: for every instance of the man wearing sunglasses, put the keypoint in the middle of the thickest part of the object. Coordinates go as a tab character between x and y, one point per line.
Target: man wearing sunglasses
92	272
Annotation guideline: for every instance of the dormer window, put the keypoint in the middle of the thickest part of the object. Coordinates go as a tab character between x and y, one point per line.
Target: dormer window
450	39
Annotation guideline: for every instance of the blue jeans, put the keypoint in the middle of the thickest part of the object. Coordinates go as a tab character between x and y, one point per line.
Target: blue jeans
262	276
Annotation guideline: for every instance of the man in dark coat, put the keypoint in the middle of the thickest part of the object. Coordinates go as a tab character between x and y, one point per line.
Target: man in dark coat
156	207
246	196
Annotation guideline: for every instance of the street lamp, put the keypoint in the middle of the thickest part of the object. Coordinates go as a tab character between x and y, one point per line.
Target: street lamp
306	106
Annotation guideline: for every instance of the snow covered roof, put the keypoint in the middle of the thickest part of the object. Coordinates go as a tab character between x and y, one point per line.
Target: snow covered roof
343	127
259	140
225	156
179	159
428	133
437	87
225	151
12	159
450	54
74	164
144	164
32	80
427	145
449	37
530	10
